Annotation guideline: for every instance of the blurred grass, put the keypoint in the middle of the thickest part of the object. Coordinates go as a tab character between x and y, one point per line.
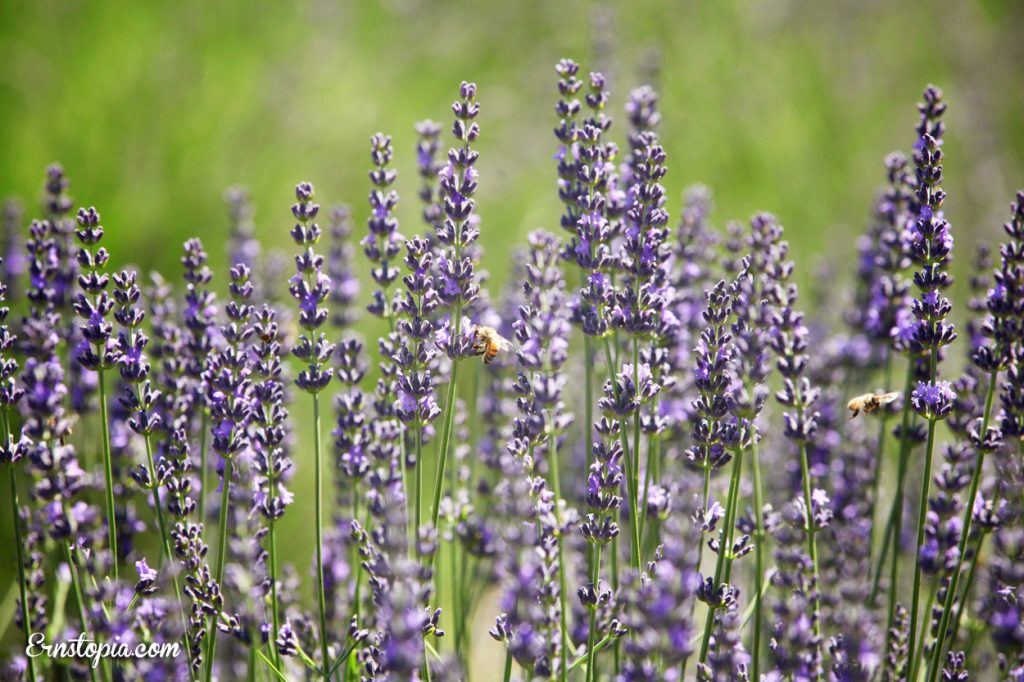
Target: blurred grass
788	106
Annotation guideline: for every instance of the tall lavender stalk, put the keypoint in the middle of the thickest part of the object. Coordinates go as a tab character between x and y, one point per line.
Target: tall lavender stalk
229	387
271	461
200	312
640	306
141	400
11	452
930	248
458	287
542	332
1003	327
93	304
789	341
416	405
310	286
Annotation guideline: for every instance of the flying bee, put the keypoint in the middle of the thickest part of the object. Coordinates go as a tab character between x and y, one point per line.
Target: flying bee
870	402
488	343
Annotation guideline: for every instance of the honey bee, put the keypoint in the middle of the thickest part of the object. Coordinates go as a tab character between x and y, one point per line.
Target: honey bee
870	402
488	343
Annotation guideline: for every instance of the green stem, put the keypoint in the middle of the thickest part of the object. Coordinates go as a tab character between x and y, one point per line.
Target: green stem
562	567
630	473
204	481
951	590
508	665
588	411
724	547
652	448
954	626
879	460
453	578
758	559
616	650
442	453
641	511
418	512
895	521
318	483
222	544
76	581
812	542
165	547
26	616
592	631
108	471
929	601
922	512
274	600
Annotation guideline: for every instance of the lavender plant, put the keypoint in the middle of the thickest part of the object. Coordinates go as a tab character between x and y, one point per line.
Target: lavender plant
610	550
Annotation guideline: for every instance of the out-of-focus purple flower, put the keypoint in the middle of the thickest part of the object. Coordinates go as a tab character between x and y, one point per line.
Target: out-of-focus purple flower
882	289
427	148
352	433
344	284
227	376
199	314
243	247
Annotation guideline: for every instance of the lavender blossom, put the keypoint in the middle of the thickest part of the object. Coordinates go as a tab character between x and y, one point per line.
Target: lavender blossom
427	149
383	243
344	285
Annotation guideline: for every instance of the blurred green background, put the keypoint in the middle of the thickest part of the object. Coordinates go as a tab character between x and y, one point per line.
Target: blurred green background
154	108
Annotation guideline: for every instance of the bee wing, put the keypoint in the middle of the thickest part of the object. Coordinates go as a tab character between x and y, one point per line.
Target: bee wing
890	397
502	343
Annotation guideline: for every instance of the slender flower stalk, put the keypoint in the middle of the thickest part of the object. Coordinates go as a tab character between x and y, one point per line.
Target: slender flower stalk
881	299
11	452
789	341
736	434
310	286
906	330
93	304
640	306
141	400
1003	328
199	313
271	461
229	395
416	405
930	249
457	287
766	266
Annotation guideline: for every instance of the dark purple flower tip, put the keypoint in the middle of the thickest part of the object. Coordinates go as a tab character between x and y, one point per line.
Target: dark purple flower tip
933	400
147	578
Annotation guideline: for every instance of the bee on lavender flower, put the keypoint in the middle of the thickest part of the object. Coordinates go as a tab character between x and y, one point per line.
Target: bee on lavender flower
869	403
487	342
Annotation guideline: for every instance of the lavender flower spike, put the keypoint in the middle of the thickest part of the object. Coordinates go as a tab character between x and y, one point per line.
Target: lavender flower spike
930	249
93	304
310	286
11	452
457	234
